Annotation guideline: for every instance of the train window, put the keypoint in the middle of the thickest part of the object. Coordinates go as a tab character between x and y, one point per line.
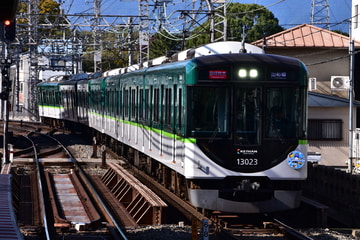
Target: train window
133	104
283	113
56	97
106	102
57	100
156	108
178	110
120	106
46	98
113	102
141	104
72	102
147	102
107	105
247	113
168	104
209	109
179	117
43	98
126	103
99	103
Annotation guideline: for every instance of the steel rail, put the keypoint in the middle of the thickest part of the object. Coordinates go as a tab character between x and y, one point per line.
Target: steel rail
42	202
291	232
89	185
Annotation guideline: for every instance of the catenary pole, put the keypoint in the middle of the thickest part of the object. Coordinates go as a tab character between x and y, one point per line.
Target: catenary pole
351	122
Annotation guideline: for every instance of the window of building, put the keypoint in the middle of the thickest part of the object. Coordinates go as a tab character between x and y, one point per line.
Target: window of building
325	129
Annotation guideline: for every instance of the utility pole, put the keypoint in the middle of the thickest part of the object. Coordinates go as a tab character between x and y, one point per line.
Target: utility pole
33	42
97	37
351	97
220	25
320	13
4	95
144	50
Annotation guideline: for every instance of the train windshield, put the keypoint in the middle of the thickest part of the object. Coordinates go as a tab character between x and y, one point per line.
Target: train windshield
210	109
256	113
284	116
247	113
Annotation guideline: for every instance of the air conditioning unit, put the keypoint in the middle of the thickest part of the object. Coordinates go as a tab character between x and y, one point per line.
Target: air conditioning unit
340	82
312	84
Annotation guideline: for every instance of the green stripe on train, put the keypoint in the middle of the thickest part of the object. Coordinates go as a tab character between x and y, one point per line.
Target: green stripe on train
155	130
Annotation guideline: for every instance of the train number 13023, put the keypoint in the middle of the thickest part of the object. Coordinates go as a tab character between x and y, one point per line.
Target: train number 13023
247	161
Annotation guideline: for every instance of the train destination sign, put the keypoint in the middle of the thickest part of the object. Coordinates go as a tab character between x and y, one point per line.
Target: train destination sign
217	74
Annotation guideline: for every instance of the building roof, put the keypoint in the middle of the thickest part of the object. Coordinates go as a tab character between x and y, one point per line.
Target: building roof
324	100
306	35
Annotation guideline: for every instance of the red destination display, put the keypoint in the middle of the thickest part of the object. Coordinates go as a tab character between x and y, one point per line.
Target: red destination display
217	74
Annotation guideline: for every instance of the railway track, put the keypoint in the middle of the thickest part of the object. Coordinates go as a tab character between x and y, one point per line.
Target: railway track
58	196
255	227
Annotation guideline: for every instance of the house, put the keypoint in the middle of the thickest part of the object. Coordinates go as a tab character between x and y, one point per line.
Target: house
326	55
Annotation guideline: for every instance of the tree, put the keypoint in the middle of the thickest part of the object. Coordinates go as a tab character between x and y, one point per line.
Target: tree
48	10
114	54
162	44
255	20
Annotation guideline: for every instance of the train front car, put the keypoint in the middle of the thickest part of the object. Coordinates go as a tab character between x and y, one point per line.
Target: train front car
246	128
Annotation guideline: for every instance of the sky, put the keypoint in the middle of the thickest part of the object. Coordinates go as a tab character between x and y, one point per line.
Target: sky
289	12
294	12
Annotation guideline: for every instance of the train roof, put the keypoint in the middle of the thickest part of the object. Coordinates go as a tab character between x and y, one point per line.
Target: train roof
79	76
225	47
49	84
68	82
248	59
215	48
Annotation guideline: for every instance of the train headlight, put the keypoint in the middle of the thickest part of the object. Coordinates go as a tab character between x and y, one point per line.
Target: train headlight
253	73
242	73
296	160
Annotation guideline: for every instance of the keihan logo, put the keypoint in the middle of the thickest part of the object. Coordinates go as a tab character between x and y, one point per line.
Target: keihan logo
246	151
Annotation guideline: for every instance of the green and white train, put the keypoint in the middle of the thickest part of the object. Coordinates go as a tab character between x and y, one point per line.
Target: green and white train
224	129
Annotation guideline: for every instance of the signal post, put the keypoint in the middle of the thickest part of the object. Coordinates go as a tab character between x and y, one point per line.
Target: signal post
7	36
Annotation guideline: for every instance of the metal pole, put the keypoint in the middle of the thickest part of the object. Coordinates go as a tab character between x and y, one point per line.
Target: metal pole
5	137
351	139
5	89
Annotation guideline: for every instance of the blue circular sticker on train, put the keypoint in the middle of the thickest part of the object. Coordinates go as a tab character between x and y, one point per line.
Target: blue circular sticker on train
296	160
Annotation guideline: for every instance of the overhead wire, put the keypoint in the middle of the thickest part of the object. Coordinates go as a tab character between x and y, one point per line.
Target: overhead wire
70	6
168	24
